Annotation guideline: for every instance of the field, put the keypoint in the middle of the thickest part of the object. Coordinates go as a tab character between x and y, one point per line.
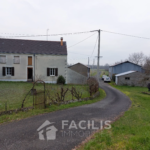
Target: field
132	130
13	93
102	71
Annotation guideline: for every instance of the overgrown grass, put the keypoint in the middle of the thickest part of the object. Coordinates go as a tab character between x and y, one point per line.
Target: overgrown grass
132	130
21	115
13	93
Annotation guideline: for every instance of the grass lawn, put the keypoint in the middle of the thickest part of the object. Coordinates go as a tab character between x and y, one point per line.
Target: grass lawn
102	71
15	92
132	130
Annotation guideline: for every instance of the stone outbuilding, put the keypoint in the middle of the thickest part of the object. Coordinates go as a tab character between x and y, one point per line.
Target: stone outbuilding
78	74
132	78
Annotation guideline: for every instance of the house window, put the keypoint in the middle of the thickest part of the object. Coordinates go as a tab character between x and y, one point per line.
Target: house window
127	78
2	59
52	71
29	60
8	71
16	60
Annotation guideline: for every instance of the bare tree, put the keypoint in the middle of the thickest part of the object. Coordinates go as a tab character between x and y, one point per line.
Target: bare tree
146	65
137	58
118	62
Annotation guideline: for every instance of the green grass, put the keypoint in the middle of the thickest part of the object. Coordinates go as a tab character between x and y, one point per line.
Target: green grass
13	93
94	72
21	115
132	130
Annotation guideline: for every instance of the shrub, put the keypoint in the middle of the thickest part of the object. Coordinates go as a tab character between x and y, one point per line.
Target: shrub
114	77
148	86
61	80
93	85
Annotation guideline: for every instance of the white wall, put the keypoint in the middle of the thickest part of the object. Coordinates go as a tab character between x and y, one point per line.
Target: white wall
42	62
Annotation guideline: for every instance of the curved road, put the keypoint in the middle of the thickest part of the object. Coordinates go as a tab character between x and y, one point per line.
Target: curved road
23	135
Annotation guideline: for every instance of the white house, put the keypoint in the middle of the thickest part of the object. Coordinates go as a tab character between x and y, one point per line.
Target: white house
29	60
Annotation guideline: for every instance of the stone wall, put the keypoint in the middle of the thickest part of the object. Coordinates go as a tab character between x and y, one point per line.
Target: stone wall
136	79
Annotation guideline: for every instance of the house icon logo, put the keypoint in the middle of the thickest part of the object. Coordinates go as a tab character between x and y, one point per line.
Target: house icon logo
46	131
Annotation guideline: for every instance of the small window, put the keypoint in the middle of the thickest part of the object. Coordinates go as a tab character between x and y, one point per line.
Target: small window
29	60
127	78
16	60
2	59
52	71
8	71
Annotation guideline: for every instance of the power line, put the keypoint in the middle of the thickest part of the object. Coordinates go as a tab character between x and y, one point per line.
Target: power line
82	40
23	35
126	34
94	47
78	54
27	35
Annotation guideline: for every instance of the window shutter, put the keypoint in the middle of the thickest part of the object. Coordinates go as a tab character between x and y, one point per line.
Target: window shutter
48	72
56	71
13	71
3	71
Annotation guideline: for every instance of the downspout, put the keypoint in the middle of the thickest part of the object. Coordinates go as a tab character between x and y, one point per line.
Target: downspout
34	67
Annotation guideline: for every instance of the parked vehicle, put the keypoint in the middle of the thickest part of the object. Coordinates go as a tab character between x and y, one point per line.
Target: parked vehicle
107	79
103	77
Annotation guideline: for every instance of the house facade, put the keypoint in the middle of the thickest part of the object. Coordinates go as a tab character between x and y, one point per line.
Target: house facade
124	67
29	60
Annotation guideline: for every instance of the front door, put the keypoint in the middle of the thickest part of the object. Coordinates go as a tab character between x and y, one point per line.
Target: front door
30	74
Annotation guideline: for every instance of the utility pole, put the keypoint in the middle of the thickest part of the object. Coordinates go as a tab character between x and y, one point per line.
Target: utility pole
88	61
98	56
93	63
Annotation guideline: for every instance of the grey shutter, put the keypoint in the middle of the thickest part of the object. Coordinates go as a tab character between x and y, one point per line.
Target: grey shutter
48	72
56	71
13	71
3	71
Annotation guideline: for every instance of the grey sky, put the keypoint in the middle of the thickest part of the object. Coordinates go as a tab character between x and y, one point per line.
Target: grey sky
124	16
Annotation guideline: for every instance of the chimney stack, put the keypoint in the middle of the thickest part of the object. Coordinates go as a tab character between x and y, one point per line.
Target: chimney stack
61	41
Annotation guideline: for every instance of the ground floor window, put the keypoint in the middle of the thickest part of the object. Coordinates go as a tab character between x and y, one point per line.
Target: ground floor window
52	71
8	71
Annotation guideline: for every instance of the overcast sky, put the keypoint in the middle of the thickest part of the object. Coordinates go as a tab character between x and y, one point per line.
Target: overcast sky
68	16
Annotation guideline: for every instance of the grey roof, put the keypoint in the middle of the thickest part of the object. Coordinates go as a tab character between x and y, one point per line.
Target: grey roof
77	64
20	46
123	63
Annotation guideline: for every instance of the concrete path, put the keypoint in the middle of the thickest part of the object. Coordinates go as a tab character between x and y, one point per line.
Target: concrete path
23	134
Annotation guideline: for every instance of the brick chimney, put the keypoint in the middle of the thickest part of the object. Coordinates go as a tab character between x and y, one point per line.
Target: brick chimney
61	41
